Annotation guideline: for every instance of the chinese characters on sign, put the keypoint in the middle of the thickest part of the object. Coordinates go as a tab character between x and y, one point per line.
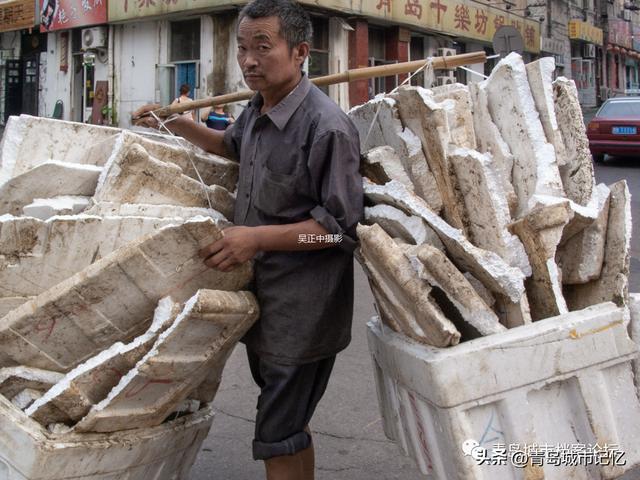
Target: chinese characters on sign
620	33
413	7
457	17
481	22
63	14
17	15
584	31
386	4
128	9
440	9
529	35
462	19
466	18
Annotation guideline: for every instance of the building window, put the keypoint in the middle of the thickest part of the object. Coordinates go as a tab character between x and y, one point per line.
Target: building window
376	43
185	41
377	56
319	51
416	52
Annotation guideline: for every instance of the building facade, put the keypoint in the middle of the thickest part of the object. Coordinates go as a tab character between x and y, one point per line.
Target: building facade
98	60
388	31
622	23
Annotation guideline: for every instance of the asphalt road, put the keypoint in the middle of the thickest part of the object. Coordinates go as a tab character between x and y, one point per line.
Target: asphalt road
350	444
624	168
619	168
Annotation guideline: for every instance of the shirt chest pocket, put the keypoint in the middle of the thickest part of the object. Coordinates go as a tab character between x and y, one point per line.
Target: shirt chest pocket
275	194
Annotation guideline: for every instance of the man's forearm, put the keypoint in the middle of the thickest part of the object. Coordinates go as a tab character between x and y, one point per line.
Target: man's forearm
305	235
240	243
206	138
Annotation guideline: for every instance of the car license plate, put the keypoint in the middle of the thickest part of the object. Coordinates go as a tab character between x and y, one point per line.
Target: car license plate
624	130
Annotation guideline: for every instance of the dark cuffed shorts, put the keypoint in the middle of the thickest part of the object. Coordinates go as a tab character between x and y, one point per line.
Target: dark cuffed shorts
288	397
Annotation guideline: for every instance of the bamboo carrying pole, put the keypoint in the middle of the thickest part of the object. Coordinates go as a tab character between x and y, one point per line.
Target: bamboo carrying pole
439	63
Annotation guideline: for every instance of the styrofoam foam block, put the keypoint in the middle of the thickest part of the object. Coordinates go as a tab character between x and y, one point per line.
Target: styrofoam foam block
179	361
113	298
565	379
166	452
634	330
40	254
30	141
48	179
44	208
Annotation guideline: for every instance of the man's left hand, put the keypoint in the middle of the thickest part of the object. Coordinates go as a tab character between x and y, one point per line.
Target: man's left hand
237	245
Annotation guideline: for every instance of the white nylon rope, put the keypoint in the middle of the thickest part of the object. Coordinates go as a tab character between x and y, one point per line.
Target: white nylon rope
179	141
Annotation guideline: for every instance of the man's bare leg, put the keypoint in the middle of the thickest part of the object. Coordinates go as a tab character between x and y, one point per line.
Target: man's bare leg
308	458
300	466
286	467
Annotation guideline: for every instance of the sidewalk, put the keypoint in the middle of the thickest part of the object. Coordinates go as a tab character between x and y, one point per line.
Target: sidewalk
348	436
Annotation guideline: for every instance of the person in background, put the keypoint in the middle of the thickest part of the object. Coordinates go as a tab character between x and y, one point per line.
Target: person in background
185	88
217	118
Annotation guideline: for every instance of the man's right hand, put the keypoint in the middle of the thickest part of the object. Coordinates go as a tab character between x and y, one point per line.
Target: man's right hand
237	245
209	140
140	120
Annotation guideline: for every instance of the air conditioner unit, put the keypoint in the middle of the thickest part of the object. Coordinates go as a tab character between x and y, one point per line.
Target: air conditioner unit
95	37
445	80
626	14
589	51
446	52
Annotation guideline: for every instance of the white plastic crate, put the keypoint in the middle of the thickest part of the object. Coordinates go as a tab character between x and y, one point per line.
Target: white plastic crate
564	381
166	452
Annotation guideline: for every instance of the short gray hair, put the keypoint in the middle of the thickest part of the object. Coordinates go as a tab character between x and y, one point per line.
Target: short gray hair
295	23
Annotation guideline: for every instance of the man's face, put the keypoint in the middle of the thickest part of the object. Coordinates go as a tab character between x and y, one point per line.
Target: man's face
264	56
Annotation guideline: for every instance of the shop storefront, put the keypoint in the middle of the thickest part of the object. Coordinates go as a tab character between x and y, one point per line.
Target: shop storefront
621	58
194	42
586	56
17	76
75	80
422	28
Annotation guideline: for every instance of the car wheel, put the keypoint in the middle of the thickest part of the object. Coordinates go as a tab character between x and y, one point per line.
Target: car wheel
598	157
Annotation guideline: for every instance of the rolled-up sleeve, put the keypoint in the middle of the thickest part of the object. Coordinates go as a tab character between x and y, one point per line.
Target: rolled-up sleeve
334	161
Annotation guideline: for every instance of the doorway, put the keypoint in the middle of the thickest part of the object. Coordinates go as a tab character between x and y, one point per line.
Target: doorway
30	73
184	53
186	73
13	88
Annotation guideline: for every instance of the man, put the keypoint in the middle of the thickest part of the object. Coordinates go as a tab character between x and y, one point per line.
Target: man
298	202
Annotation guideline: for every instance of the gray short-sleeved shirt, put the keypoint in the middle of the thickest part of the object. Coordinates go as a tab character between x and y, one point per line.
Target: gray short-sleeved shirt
300	160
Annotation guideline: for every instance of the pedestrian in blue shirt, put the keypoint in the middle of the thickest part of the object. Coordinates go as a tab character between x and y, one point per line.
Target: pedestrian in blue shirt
217	117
